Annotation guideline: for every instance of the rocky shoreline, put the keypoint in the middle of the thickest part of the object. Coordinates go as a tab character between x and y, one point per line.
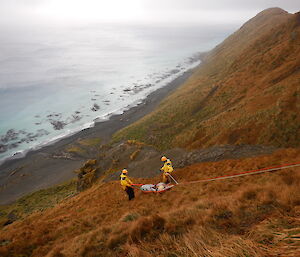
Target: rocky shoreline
38	169
15	139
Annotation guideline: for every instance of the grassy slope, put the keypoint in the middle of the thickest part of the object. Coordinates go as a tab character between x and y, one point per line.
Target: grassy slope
256	71
37	201
247	91
249	216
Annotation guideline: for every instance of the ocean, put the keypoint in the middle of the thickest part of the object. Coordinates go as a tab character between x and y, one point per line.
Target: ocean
57	81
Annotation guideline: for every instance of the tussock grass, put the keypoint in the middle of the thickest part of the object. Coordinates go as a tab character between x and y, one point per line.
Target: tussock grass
90	142
75	149
246	92
84	147
236	217
38	201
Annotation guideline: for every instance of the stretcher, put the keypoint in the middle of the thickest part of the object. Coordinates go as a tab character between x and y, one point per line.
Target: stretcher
153	188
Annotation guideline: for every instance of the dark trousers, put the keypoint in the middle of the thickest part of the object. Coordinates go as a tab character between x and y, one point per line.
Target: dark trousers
130	193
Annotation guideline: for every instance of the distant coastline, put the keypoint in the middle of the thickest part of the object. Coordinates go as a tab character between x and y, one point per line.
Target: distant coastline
38	170
14	138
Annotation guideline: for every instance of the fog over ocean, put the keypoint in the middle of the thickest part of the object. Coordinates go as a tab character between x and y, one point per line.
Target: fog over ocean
54	82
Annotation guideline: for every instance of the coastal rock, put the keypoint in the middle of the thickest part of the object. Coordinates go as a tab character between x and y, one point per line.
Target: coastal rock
56	115
12	139
29	137
58	125
3	148
56	121
75	118
139	88
95	107
10	135
13	145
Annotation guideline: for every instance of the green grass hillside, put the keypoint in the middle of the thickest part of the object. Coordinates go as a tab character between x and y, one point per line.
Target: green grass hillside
246	91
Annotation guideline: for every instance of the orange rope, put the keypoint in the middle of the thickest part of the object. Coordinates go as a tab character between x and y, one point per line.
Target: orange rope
246	173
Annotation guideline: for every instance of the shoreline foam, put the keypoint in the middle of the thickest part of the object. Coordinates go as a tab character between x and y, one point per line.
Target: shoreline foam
19	154
38	170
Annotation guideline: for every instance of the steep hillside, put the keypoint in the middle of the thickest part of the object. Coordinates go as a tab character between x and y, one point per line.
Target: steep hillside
246	91
248	216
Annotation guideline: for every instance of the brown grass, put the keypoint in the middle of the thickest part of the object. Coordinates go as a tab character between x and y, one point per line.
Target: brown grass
219	218
246	92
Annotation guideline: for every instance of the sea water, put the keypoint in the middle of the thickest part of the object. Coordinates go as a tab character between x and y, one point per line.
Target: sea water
57	81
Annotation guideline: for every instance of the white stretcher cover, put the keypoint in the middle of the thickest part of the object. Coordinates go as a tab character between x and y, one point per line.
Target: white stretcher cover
160	187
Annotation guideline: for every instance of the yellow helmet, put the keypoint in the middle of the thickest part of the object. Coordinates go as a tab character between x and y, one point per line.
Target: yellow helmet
124	171
163	159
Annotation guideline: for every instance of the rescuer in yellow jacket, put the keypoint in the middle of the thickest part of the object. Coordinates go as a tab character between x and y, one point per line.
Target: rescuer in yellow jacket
166	169
126	184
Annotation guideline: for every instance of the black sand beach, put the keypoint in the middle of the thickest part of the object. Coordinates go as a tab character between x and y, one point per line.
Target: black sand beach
38	169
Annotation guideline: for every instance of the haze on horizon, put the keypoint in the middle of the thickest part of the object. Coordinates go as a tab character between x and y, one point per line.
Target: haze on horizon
69	12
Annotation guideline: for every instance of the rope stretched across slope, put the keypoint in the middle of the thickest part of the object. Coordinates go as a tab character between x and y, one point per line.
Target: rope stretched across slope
245	173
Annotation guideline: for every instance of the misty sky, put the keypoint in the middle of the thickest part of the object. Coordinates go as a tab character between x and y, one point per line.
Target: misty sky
18	12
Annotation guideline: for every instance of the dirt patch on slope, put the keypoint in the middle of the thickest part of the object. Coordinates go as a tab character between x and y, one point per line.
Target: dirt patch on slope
146	162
